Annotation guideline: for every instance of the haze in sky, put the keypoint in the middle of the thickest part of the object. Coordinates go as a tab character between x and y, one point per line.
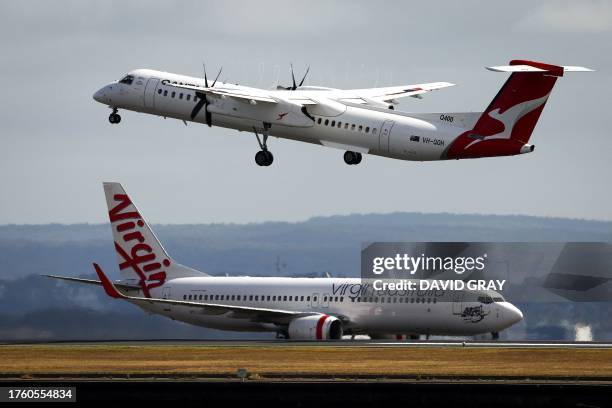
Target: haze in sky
58	147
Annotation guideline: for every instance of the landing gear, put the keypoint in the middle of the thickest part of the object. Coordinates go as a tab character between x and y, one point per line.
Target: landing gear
263	157
495	336
114	117
352	157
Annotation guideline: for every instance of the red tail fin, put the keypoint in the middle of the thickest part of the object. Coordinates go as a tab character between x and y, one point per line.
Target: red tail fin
506	125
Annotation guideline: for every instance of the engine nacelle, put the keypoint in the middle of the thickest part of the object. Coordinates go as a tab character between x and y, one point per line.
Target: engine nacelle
527	148
317	327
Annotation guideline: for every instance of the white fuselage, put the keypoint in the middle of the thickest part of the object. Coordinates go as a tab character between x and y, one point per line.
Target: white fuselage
366	310
346	126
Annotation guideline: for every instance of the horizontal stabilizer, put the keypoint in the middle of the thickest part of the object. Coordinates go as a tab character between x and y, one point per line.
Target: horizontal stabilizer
534	66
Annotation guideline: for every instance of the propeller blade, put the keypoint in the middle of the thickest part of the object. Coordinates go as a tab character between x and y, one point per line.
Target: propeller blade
198	107
207	114
205	78
217	77
304	77
294	87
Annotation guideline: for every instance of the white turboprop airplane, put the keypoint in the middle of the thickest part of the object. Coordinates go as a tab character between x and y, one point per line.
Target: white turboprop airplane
294	308
359	121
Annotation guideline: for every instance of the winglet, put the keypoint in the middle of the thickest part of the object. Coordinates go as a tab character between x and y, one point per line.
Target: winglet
109	288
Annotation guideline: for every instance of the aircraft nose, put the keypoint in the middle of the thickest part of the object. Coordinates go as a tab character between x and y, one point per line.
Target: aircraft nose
513	313
100	95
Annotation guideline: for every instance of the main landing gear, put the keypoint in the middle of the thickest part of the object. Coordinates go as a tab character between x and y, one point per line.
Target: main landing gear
263	157
114	117
352	157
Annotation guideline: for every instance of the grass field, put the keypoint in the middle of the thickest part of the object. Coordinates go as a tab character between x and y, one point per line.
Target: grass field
309	361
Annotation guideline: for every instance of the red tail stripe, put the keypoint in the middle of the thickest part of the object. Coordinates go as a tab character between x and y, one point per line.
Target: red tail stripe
553	69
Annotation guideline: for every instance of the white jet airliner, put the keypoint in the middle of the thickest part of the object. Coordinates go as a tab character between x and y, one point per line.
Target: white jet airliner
359	121
294	308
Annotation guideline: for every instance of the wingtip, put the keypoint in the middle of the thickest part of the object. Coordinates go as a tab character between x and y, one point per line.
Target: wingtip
108	286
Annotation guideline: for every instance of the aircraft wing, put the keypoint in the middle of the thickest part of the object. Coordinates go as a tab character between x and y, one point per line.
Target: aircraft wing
256	314
390	93
122	286
237	93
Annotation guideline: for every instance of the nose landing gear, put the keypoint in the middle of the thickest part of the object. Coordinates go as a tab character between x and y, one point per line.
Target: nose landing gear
114	117
263	157
352	157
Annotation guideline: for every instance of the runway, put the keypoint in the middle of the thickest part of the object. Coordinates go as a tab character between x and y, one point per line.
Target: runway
335	343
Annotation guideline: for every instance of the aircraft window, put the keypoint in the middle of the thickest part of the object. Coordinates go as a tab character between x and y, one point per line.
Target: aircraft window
268	298
216	297
159	91
221	297
374	131
166	93
200	297
205	297
128	79
333	123
360	128
290	298
274	298
325	298
181	95
233	297
401	300
173	94
319	121
256	298
339	125
346	125
341	298
367	129
301	298
195	98
412	300
394	300
326	122
238	297
314	299
250	297
376	300
284	298
188	96
184	297
435	300
428	300
485	299
353	126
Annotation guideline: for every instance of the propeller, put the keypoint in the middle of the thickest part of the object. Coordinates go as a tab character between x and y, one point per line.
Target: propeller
294	86
203	102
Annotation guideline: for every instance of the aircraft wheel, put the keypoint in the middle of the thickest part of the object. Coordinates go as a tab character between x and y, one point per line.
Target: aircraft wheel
264	158
114	118
352	157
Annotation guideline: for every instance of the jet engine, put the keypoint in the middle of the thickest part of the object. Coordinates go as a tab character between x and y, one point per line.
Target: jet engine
317	327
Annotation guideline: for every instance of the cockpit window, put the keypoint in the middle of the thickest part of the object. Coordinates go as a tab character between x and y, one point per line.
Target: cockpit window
485	299
128	79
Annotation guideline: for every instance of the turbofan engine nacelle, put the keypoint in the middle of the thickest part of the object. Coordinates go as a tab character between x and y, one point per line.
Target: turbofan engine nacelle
317	327
527	148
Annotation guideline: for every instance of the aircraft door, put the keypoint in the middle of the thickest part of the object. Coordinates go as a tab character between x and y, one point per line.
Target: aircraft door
149	93
385	132
314	300
326	298
458	303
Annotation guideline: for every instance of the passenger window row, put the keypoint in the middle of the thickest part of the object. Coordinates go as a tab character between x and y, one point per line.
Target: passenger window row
244	298
394	299
347	126
180	95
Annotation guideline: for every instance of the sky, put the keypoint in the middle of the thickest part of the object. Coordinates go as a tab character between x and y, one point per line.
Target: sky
57	146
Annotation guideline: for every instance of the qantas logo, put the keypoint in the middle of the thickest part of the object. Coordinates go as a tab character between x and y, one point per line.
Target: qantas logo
135	252
509	118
